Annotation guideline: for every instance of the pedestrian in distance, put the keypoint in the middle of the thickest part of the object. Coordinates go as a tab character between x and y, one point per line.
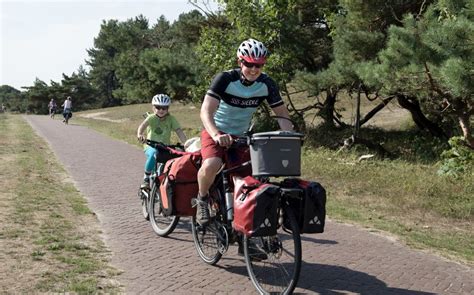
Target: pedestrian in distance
157	126
52	106
227	110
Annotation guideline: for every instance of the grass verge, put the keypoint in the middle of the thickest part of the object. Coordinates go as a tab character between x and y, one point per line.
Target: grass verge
50	240
406	199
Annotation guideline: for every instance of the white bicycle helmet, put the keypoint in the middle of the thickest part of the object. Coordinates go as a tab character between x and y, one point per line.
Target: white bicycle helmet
252	51
161	100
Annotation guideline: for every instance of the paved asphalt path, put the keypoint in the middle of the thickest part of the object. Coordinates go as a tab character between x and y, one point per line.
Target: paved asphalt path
344	260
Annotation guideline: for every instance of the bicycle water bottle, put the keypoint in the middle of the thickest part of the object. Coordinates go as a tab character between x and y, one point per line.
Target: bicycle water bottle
229	200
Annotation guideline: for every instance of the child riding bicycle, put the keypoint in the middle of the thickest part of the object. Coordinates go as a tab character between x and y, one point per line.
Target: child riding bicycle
158	127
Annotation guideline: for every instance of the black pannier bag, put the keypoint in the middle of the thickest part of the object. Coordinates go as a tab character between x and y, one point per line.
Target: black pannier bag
255	207
310	206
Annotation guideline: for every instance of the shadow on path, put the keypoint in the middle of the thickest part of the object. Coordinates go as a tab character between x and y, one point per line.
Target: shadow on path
333	279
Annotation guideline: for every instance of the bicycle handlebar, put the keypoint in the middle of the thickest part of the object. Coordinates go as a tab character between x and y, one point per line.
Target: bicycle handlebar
161	146
240	141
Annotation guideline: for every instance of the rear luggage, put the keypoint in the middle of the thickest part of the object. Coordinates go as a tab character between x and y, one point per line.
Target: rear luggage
178	185
310	206
255	207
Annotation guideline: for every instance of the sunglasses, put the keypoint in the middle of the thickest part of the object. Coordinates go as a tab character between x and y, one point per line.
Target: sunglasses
161	108
251	65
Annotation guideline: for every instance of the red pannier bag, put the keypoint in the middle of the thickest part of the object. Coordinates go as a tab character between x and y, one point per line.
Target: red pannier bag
178	185
255	207
310	206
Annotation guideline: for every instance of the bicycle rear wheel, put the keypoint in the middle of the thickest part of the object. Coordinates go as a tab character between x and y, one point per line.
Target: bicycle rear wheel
162	225
277	272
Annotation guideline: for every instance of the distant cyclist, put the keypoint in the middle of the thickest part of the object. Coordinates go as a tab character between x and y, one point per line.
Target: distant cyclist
67	111
158	127
52	106
227	110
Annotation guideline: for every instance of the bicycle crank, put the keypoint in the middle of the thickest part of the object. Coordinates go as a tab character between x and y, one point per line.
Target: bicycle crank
222	238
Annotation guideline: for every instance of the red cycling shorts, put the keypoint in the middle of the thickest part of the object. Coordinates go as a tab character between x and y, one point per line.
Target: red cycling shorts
233	157
209	148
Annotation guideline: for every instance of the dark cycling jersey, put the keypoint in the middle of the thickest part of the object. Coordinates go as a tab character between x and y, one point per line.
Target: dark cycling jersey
238	102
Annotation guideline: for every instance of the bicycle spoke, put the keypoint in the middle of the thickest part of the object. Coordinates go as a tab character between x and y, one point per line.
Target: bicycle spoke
278	272
162	225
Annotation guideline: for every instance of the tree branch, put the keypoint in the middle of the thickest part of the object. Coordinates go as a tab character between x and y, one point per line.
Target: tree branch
375	110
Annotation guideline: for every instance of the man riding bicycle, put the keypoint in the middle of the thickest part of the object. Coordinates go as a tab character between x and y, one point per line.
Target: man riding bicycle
67	111
227	110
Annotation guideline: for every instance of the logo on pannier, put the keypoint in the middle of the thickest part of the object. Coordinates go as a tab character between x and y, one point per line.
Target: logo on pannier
285	163
315	220
266	223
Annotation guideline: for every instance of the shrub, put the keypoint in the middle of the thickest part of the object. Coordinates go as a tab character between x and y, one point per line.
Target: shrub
458	159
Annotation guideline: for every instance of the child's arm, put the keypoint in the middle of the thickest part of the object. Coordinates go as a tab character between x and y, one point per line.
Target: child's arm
141	130
181	135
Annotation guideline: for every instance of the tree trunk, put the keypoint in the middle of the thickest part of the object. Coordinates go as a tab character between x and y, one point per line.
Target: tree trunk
375	110
327	112
413	106
466	129
357	122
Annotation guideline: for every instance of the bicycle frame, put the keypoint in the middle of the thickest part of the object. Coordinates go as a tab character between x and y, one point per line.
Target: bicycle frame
147	194
273	261
225	202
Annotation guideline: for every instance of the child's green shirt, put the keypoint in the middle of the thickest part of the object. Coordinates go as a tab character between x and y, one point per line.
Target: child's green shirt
160	130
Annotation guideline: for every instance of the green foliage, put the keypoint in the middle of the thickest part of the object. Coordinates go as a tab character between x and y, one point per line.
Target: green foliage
101	61
13	99
186	30
131	62
264	121
172	72
430	57
38	97
295	32
420	48
215	50
409	145
458	159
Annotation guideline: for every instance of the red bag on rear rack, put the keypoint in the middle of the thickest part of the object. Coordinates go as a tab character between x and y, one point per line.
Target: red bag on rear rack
310	207
178	185
255	207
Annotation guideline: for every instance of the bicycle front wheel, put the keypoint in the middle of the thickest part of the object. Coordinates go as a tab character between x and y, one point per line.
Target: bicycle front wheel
211	241
143	194
162	225
207	241
274	262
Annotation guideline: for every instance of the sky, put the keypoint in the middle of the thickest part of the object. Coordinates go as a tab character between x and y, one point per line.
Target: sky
44	39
